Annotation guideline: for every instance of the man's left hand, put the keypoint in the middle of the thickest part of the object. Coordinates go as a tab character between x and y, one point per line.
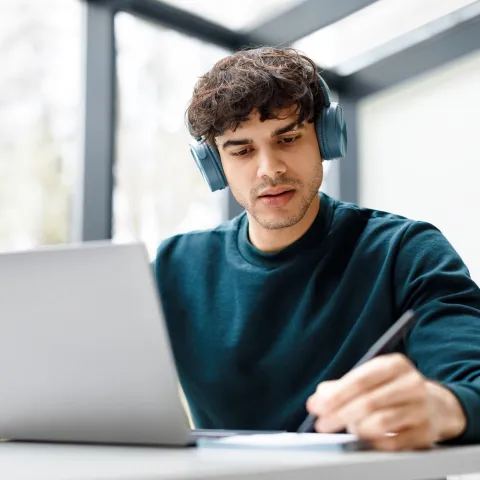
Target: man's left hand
388	402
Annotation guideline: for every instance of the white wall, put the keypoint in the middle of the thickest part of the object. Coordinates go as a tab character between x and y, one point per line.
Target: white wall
419	153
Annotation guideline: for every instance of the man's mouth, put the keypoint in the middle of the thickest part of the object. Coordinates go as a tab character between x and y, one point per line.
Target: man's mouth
275	192
277	197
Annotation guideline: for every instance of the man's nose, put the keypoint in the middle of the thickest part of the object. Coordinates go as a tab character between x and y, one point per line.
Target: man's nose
270	165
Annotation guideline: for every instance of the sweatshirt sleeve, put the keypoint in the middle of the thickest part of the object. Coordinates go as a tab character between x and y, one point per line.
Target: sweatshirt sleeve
431	278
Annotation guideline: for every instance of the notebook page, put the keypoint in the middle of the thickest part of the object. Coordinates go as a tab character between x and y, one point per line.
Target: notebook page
286	440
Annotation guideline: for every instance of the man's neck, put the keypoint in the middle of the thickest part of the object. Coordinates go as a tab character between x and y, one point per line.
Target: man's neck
273	240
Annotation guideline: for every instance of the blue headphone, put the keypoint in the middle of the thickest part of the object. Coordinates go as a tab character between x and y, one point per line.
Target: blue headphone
331	134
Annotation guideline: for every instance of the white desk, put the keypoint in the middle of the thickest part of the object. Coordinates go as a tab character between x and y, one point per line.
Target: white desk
74	462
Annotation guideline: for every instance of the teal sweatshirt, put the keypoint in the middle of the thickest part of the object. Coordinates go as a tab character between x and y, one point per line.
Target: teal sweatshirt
254	333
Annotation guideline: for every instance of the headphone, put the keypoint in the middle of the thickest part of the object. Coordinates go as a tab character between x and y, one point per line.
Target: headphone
331	132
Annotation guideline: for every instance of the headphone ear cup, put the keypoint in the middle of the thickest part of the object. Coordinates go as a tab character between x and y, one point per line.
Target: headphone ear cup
332	132
209	163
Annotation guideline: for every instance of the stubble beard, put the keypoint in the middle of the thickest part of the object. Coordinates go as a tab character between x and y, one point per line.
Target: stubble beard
294	218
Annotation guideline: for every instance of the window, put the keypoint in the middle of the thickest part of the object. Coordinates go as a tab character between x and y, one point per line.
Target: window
159	190
39	120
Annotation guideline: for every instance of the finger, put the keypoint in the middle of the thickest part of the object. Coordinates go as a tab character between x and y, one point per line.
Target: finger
396	419
326	389
333	395
416	438
409	389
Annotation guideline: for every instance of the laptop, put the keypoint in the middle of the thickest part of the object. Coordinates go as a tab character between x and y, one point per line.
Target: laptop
84	351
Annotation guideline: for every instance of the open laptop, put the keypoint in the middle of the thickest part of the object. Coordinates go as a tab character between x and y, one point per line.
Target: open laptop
84	351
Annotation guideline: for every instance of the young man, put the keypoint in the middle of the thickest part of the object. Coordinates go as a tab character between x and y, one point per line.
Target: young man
269	312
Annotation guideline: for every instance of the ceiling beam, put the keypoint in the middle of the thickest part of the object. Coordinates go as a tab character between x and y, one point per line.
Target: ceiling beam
450	43
304	19
184	22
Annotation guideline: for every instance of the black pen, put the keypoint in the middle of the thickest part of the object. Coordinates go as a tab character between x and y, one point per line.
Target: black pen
383	345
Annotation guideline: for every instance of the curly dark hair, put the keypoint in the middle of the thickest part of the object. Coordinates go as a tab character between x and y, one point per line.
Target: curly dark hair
264	79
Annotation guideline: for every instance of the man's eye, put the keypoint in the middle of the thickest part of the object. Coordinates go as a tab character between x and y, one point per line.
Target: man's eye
288	140
242	153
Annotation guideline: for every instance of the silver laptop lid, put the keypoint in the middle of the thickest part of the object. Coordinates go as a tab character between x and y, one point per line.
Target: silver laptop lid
84	353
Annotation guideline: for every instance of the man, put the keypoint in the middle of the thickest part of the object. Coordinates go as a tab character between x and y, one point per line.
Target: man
269	312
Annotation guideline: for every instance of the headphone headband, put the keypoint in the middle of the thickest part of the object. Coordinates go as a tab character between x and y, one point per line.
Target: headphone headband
325	91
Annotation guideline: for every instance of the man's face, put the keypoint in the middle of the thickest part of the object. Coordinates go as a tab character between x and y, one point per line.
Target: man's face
274	168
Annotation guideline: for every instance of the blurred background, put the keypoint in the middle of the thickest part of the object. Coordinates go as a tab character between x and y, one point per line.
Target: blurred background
93	143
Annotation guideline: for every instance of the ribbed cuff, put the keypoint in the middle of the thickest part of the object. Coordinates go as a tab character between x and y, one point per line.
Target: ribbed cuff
469	397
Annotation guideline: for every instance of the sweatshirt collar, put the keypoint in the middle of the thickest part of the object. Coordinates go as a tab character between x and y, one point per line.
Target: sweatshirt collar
313	236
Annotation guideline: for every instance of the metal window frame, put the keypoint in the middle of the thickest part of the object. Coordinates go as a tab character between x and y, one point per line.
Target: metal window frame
92	201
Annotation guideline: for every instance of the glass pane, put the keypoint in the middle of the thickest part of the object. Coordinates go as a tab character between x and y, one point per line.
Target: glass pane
385	20
159	190
239	15
40	57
